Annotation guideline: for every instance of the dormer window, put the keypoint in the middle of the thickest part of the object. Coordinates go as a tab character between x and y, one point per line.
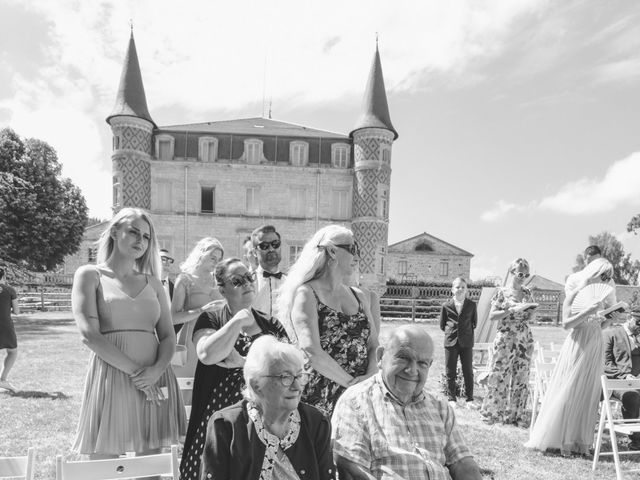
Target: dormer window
253	151
340	155
208	149
386	154
299	153
164	147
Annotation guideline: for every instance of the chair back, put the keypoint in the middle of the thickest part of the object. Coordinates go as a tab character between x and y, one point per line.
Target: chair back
186	386
18	467
165	464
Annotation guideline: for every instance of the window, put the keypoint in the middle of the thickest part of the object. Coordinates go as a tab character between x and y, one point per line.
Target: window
208	149
164	147
402	267
92	254
298	201
253	151
340	155
117	191
386	154
383	205
164	196
165	242
116	142
207	199
444	268
340	204
252	206
380	254
294	253
298	153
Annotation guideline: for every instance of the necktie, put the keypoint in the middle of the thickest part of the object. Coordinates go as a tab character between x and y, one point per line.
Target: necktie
266	274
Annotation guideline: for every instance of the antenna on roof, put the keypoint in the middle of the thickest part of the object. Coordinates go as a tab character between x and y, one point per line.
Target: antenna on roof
270	105
131	25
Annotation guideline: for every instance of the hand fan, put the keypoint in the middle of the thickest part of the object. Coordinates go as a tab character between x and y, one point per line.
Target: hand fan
595	292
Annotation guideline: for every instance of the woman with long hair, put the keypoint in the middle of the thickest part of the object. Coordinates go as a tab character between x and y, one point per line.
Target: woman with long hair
570	406
131	399
510	362
330	321
194	292
222	338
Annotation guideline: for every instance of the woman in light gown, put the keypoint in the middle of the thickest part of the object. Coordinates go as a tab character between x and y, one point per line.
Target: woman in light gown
131	400
569	408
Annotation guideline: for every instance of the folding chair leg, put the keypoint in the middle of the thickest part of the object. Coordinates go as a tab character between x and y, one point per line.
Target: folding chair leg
596	452
616	455
534	408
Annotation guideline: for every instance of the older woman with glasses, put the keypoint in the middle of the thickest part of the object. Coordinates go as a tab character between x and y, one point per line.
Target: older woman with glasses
270	435
330	321
512	307
222	338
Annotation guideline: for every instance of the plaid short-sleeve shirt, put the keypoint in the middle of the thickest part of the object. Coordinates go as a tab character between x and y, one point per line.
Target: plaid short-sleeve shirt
415	441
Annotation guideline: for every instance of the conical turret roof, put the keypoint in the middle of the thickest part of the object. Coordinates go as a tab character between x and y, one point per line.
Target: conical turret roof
375	110
131	100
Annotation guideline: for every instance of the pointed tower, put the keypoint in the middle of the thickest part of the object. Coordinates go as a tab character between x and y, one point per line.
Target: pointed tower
132	129
373	138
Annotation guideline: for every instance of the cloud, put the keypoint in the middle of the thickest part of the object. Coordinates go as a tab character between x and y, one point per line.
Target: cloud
620	186
501	209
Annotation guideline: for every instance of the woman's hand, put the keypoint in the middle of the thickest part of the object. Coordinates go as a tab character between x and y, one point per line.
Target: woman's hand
245	318
146	377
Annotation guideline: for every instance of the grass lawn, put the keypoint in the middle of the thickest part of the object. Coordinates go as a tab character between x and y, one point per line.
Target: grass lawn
50	375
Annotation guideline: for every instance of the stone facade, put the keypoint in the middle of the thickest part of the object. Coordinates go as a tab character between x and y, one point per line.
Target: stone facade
428	259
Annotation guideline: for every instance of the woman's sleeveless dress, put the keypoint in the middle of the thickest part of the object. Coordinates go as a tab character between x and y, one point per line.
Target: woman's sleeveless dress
569	409
115	416
346	339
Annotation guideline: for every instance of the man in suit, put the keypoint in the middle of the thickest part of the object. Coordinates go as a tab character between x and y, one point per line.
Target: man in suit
622	360
266	247
167	283
458	320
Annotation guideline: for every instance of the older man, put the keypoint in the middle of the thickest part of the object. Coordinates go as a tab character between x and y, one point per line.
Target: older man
389	427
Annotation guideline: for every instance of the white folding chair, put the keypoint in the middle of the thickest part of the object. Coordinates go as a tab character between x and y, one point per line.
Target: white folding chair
164	464
615	425
18	467
542	375
546	355
481	356
555	347
186	385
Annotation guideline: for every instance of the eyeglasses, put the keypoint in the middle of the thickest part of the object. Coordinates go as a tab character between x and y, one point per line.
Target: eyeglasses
275	244
522	275
287	379
168	260
352	248
238	281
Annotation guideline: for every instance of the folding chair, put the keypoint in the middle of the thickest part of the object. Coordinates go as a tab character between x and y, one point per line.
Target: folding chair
165	464
555	347
546	355
18	467
542	375
481	356
615	425
186	385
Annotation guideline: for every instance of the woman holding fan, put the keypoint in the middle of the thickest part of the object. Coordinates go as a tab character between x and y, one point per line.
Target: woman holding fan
569	408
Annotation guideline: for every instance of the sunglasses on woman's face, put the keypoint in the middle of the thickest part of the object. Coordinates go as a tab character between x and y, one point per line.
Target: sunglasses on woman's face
522	275
238	281
275	244
352	248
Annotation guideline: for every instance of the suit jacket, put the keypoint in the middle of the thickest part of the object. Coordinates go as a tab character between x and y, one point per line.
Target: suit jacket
617	352
458	328
233	450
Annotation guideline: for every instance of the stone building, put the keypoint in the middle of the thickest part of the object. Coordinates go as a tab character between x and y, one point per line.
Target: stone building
428	259
224	178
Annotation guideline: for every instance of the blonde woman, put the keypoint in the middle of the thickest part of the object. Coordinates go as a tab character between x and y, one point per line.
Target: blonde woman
570	406
330	321
131	399
508	380
195	291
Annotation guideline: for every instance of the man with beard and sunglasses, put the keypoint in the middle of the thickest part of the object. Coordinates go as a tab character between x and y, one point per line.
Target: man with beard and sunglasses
266	244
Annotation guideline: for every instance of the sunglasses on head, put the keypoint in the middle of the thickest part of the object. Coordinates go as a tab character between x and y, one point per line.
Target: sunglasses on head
168	260
238	281
352	248
275	244
522	275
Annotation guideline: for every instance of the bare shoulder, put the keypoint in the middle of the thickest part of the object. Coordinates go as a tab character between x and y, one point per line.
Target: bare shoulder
87	273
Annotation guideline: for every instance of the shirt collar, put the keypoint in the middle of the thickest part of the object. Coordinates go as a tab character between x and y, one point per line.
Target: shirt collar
387	393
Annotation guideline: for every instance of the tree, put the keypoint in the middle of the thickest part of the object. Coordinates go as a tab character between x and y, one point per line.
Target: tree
43	215
634	224
625	270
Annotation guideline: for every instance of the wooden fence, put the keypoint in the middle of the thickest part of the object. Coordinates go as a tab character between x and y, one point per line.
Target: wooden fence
45	299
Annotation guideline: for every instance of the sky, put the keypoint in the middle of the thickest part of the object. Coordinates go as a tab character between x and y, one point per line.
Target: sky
519	120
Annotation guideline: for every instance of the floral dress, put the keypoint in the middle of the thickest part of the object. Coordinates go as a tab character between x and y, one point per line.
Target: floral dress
346	339
510	363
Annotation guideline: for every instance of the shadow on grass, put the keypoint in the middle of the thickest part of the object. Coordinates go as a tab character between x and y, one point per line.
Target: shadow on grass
33	327
38	394
486	473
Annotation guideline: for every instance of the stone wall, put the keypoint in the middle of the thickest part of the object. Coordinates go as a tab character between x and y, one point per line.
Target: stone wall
427	266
